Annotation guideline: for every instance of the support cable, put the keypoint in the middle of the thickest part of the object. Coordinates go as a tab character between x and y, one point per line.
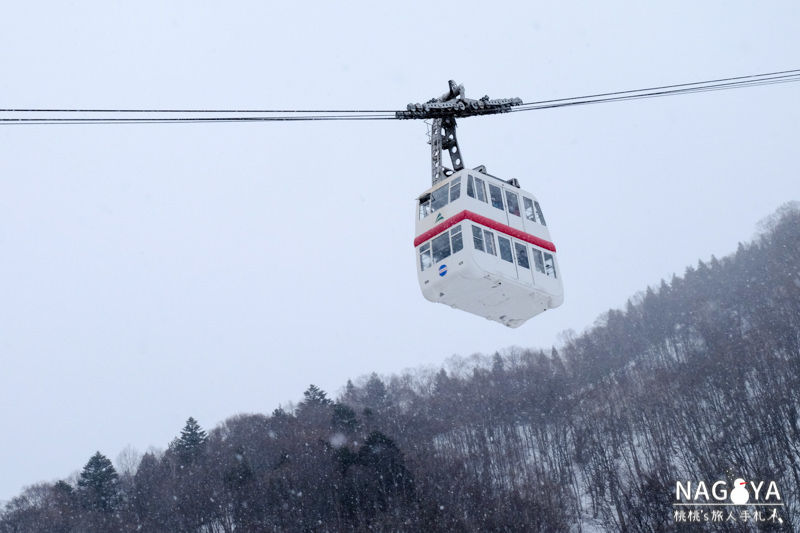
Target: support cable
437	108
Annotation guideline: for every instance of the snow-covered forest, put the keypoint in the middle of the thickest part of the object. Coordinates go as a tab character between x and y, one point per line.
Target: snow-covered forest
696	379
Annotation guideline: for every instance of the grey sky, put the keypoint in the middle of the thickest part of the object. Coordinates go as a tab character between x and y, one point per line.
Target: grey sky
154	272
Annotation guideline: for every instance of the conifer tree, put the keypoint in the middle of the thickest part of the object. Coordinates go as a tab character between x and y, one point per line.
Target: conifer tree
98	483
315	395
376	395
190	443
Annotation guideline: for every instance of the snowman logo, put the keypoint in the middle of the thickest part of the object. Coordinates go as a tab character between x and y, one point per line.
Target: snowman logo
739	494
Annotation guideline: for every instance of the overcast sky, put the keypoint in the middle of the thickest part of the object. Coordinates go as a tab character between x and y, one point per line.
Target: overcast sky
154	272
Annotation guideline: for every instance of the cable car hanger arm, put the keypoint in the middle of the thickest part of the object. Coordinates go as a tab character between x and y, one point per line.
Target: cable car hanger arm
443	111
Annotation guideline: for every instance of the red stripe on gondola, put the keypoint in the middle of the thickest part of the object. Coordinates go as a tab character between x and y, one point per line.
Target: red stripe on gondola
489	223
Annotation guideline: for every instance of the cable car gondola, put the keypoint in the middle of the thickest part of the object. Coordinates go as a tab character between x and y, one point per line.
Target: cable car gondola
482	243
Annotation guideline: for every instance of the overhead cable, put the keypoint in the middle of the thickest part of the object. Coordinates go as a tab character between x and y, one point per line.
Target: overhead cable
31	116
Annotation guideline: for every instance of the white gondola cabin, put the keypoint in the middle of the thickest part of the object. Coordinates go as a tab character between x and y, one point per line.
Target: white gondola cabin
483	246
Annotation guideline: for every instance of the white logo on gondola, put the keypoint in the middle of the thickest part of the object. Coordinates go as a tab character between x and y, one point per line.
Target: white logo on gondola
443	270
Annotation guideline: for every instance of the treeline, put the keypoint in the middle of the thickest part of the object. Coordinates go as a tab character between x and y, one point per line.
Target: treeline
697	379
